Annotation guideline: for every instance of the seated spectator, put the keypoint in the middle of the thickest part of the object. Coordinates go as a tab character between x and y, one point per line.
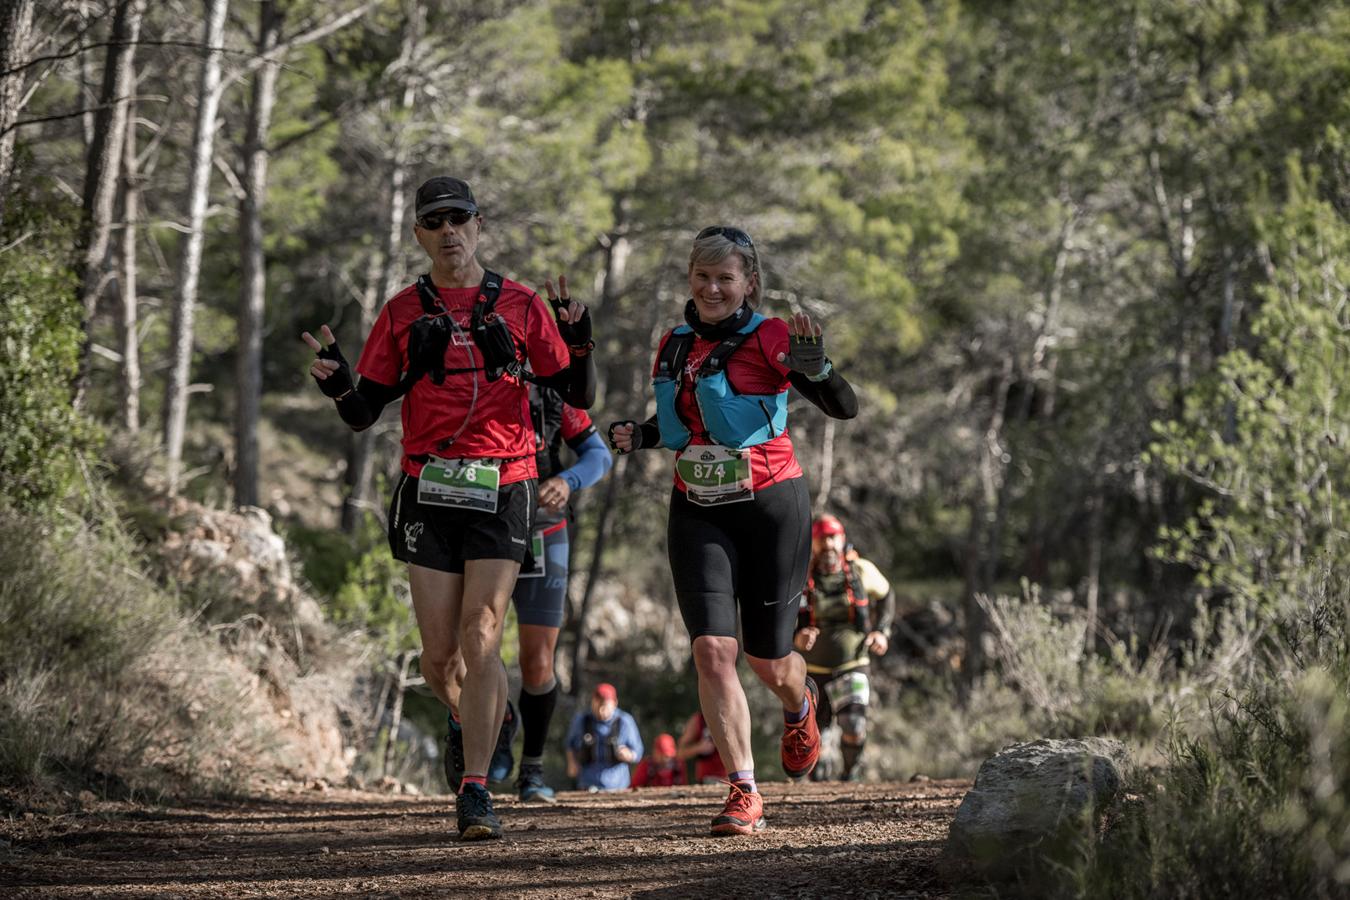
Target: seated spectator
696	743
661	768
602	743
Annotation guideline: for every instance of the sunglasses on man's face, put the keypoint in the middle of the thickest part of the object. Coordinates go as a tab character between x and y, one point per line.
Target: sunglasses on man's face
735	235
434	221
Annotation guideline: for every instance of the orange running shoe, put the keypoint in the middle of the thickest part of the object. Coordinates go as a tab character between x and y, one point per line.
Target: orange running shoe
743	814
801	742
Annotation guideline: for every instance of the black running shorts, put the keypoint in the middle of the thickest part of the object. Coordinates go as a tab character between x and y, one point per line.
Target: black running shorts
750	556
443	537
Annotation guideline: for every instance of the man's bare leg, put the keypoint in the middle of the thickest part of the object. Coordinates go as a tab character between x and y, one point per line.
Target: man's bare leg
436	598
482	701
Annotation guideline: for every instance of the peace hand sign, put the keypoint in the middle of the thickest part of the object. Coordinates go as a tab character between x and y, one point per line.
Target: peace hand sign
330	368
574	319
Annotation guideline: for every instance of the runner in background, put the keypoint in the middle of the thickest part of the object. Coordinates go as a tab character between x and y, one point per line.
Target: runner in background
602	743
739	526
846	613
541	593
661	768
696	743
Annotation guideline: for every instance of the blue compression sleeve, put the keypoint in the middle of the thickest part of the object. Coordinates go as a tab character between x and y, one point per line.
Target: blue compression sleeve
593	461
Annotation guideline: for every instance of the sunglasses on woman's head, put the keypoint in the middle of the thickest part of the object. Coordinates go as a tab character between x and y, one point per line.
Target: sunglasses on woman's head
434	221
735	235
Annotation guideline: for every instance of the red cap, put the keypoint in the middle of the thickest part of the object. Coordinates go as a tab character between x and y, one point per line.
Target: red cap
665	745
606	690
826	525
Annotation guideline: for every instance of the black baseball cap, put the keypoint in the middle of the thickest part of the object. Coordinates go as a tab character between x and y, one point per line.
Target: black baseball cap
444	192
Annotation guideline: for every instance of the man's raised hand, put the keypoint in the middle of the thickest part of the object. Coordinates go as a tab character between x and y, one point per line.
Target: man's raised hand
574	319
330	368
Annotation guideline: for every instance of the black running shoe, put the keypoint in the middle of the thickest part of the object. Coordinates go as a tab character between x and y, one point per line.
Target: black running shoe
474	815
503	760
531	785
454	754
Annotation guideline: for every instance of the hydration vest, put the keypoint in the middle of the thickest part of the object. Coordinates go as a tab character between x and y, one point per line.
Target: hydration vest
594	750
854	593
430	336
732	419
546	414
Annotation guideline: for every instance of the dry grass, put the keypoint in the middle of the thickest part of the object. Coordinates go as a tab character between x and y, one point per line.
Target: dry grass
106	681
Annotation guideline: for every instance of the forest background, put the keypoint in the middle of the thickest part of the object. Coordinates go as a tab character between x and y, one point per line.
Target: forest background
1085	263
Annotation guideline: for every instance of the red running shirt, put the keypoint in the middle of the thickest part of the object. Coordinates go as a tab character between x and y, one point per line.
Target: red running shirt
498	423
753	368
575	422
649	774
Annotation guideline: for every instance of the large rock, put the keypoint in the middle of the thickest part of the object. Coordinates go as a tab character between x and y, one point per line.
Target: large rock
292	673
1034	802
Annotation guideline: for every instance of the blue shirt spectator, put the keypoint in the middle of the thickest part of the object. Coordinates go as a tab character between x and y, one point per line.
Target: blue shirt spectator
602	743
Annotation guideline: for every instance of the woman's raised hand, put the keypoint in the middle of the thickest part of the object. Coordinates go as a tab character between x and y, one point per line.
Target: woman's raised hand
806	347
624	437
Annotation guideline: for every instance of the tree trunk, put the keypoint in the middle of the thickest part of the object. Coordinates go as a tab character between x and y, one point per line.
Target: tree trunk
101	174
361	445
16	29
616	259
253	289
1097	505
131	345
826	465
580	646
979	570
185	297
396	712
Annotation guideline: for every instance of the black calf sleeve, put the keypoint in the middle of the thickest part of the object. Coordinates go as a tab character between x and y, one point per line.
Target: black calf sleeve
851	753
536	711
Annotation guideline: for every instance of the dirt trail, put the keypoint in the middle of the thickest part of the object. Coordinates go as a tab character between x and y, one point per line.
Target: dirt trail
823	840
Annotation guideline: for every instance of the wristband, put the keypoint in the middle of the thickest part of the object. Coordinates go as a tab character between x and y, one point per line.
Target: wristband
582	349
823	374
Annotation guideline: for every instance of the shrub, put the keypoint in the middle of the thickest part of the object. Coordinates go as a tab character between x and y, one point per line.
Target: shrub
1041	683
40	337
1258	803
94	670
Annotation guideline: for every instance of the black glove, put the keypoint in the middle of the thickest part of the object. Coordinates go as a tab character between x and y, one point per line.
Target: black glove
574	334
340	382
806	354
637	436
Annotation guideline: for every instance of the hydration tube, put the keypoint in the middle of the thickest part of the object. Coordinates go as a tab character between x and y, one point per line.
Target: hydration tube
473	400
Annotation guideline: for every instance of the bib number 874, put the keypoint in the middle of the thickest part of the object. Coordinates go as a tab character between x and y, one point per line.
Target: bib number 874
710	470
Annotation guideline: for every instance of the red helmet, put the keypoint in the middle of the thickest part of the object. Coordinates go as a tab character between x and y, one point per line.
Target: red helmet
826	525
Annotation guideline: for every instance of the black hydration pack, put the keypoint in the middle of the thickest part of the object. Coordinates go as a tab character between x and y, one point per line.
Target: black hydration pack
429	337
594	750
546	414
670	364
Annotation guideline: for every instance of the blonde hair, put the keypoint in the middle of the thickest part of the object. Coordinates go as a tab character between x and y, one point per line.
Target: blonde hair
711	250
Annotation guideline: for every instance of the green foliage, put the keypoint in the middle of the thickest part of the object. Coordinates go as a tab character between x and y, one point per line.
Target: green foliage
101	681
1042	684
40	335
363	585
1266	437
1258	802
